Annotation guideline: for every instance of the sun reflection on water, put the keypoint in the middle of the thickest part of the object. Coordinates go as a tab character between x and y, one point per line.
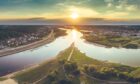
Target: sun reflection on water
74	35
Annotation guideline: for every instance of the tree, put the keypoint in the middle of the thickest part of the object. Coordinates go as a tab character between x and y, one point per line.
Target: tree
64	82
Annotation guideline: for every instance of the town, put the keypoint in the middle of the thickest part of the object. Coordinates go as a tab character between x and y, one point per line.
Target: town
113	36
14	37
117	30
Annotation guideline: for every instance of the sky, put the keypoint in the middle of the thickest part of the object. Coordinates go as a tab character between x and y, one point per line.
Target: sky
54	9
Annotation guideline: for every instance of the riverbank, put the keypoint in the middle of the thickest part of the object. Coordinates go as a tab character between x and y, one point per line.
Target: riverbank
63	68
10	77
112	41
36	44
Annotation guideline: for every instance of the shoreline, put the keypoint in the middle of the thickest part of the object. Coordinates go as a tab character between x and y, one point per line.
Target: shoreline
49	38
107	46
10	75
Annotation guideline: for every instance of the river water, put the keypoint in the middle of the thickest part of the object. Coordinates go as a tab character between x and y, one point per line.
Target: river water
18	61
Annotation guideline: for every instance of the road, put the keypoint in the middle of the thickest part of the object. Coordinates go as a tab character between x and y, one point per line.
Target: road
36	44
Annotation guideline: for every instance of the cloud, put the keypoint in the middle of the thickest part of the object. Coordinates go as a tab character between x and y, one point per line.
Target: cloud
131	8
124	5
109	3
63	8
18	1
108	0
84	11
112	14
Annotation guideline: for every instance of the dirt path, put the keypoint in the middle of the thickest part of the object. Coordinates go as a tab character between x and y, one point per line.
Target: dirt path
69	58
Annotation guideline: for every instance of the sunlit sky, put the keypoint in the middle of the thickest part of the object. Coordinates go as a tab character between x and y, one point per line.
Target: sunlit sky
54	9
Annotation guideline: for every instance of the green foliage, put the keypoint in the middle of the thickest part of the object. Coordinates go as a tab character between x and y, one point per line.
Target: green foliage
131	45
16	31
71	68
59	32
108	73
114	41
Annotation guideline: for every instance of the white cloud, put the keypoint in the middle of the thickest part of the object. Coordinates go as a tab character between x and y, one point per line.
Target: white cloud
112	14
108	0
109	3
124	5
20	1
60	4
131	8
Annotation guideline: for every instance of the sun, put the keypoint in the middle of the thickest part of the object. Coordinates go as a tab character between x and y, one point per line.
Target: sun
74	15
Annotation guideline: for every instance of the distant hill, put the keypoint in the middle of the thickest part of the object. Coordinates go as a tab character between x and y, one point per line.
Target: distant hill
85	21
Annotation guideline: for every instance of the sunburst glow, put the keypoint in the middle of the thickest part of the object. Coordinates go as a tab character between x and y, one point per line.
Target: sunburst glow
74	15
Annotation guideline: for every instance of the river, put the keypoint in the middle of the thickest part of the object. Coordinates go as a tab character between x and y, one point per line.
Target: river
18	61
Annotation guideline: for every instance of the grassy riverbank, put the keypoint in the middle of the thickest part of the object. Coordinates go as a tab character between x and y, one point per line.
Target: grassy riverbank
80	68
114	41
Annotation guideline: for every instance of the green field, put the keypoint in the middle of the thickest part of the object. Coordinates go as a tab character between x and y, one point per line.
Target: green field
114	41
80	69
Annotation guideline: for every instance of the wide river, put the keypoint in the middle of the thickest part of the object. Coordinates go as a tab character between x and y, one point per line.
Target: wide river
18	61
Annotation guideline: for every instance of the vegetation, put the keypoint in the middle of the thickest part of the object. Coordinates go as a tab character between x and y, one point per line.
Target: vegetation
110	74
17	31
136	73
114	41
79	69
59	32
2	79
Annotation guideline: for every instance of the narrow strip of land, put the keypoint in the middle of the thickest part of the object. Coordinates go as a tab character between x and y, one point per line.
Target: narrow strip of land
36	44
70	55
